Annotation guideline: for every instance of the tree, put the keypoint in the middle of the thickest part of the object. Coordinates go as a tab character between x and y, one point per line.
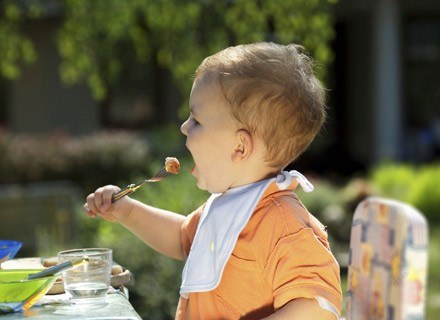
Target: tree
15	47
99	39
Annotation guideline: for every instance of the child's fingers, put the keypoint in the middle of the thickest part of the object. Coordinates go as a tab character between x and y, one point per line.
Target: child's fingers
107	194
88	212
90	204
99	201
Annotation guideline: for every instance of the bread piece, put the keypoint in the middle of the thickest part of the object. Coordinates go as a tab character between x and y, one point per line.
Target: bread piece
116	269
50	262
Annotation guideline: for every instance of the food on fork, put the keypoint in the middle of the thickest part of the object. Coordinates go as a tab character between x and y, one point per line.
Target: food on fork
172	165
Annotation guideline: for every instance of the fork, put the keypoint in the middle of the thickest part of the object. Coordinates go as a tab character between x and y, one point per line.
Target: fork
160	175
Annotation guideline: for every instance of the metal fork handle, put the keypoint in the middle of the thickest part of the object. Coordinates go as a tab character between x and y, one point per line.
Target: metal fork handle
133	187
126	191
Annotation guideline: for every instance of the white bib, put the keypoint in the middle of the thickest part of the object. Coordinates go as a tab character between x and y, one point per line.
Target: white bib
224	217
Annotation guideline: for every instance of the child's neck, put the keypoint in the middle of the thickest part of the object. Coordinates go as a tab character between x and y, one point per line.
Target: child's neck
251	173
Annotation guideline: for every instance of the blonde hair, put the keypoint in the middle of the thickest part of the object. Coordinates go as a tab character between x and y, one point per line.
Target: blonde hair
272	91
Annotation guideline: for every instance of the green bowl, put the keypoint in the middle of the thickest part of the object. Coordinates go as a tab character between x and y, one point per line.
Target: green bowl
17	293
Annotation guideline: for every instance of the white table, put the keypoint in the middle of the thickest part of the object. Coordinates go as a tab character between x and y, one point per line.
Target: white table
114	306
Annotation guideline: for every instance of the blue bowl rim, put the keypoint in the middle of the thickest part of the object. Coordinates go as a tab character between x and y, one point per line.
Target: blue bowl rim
10	243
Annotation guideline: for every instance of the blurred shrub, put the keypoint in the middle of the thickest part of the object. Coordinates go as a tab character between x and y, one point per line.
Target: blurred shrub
416	185
394	180
324	194
89	161
165	141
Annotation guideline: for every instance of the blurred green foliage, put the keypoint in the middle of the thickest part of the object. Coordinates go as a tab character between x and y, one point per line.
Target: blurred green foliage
324	195
394	180
433	297
98	39
416	185
15	47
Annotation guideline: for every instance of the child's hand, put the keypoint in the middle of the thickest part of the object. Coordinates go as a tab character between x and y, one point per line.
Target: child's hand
100	203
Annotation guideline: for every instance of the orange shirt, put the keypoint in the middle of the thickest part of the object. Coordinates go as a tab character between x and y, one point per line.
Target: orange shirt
282	254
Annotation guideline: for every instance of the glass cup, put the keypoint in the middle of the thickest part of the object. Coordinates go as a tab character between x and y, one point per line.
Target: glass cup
92	278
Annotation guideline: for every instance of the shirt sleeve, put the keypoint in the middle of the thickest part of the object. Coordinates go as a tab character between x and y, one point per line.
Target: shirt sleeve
300	266
188	230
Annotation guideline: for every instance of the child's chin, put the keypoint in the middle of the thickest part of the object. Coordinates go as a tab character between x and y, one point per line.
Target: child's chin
202	186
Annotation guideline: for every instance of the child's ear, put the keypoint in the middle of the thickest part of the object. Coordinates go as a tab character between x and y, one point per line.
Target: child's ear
243	147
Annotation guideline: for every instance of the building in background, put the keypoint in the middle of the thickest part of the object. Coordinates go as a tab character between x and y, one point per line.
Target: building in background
385	94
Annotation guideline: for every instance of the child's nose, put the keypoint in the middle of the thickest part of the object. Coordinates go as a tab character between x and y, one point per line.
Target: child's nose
184	128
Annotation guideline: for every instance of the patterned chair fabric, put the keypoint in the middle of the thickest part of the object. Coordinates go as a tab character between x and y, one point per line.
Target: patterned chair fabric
387	262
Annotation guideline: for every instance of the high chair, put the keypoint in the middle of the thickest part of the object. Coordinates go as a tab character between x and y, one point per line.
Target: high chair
388	262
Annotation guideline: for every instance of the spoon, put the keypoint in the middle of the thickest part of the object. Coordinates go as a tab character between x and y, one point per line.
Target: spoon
52	271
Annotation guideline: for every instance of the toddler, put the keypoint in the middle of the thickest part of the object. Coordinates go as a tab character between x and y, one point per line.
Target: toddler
252	251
